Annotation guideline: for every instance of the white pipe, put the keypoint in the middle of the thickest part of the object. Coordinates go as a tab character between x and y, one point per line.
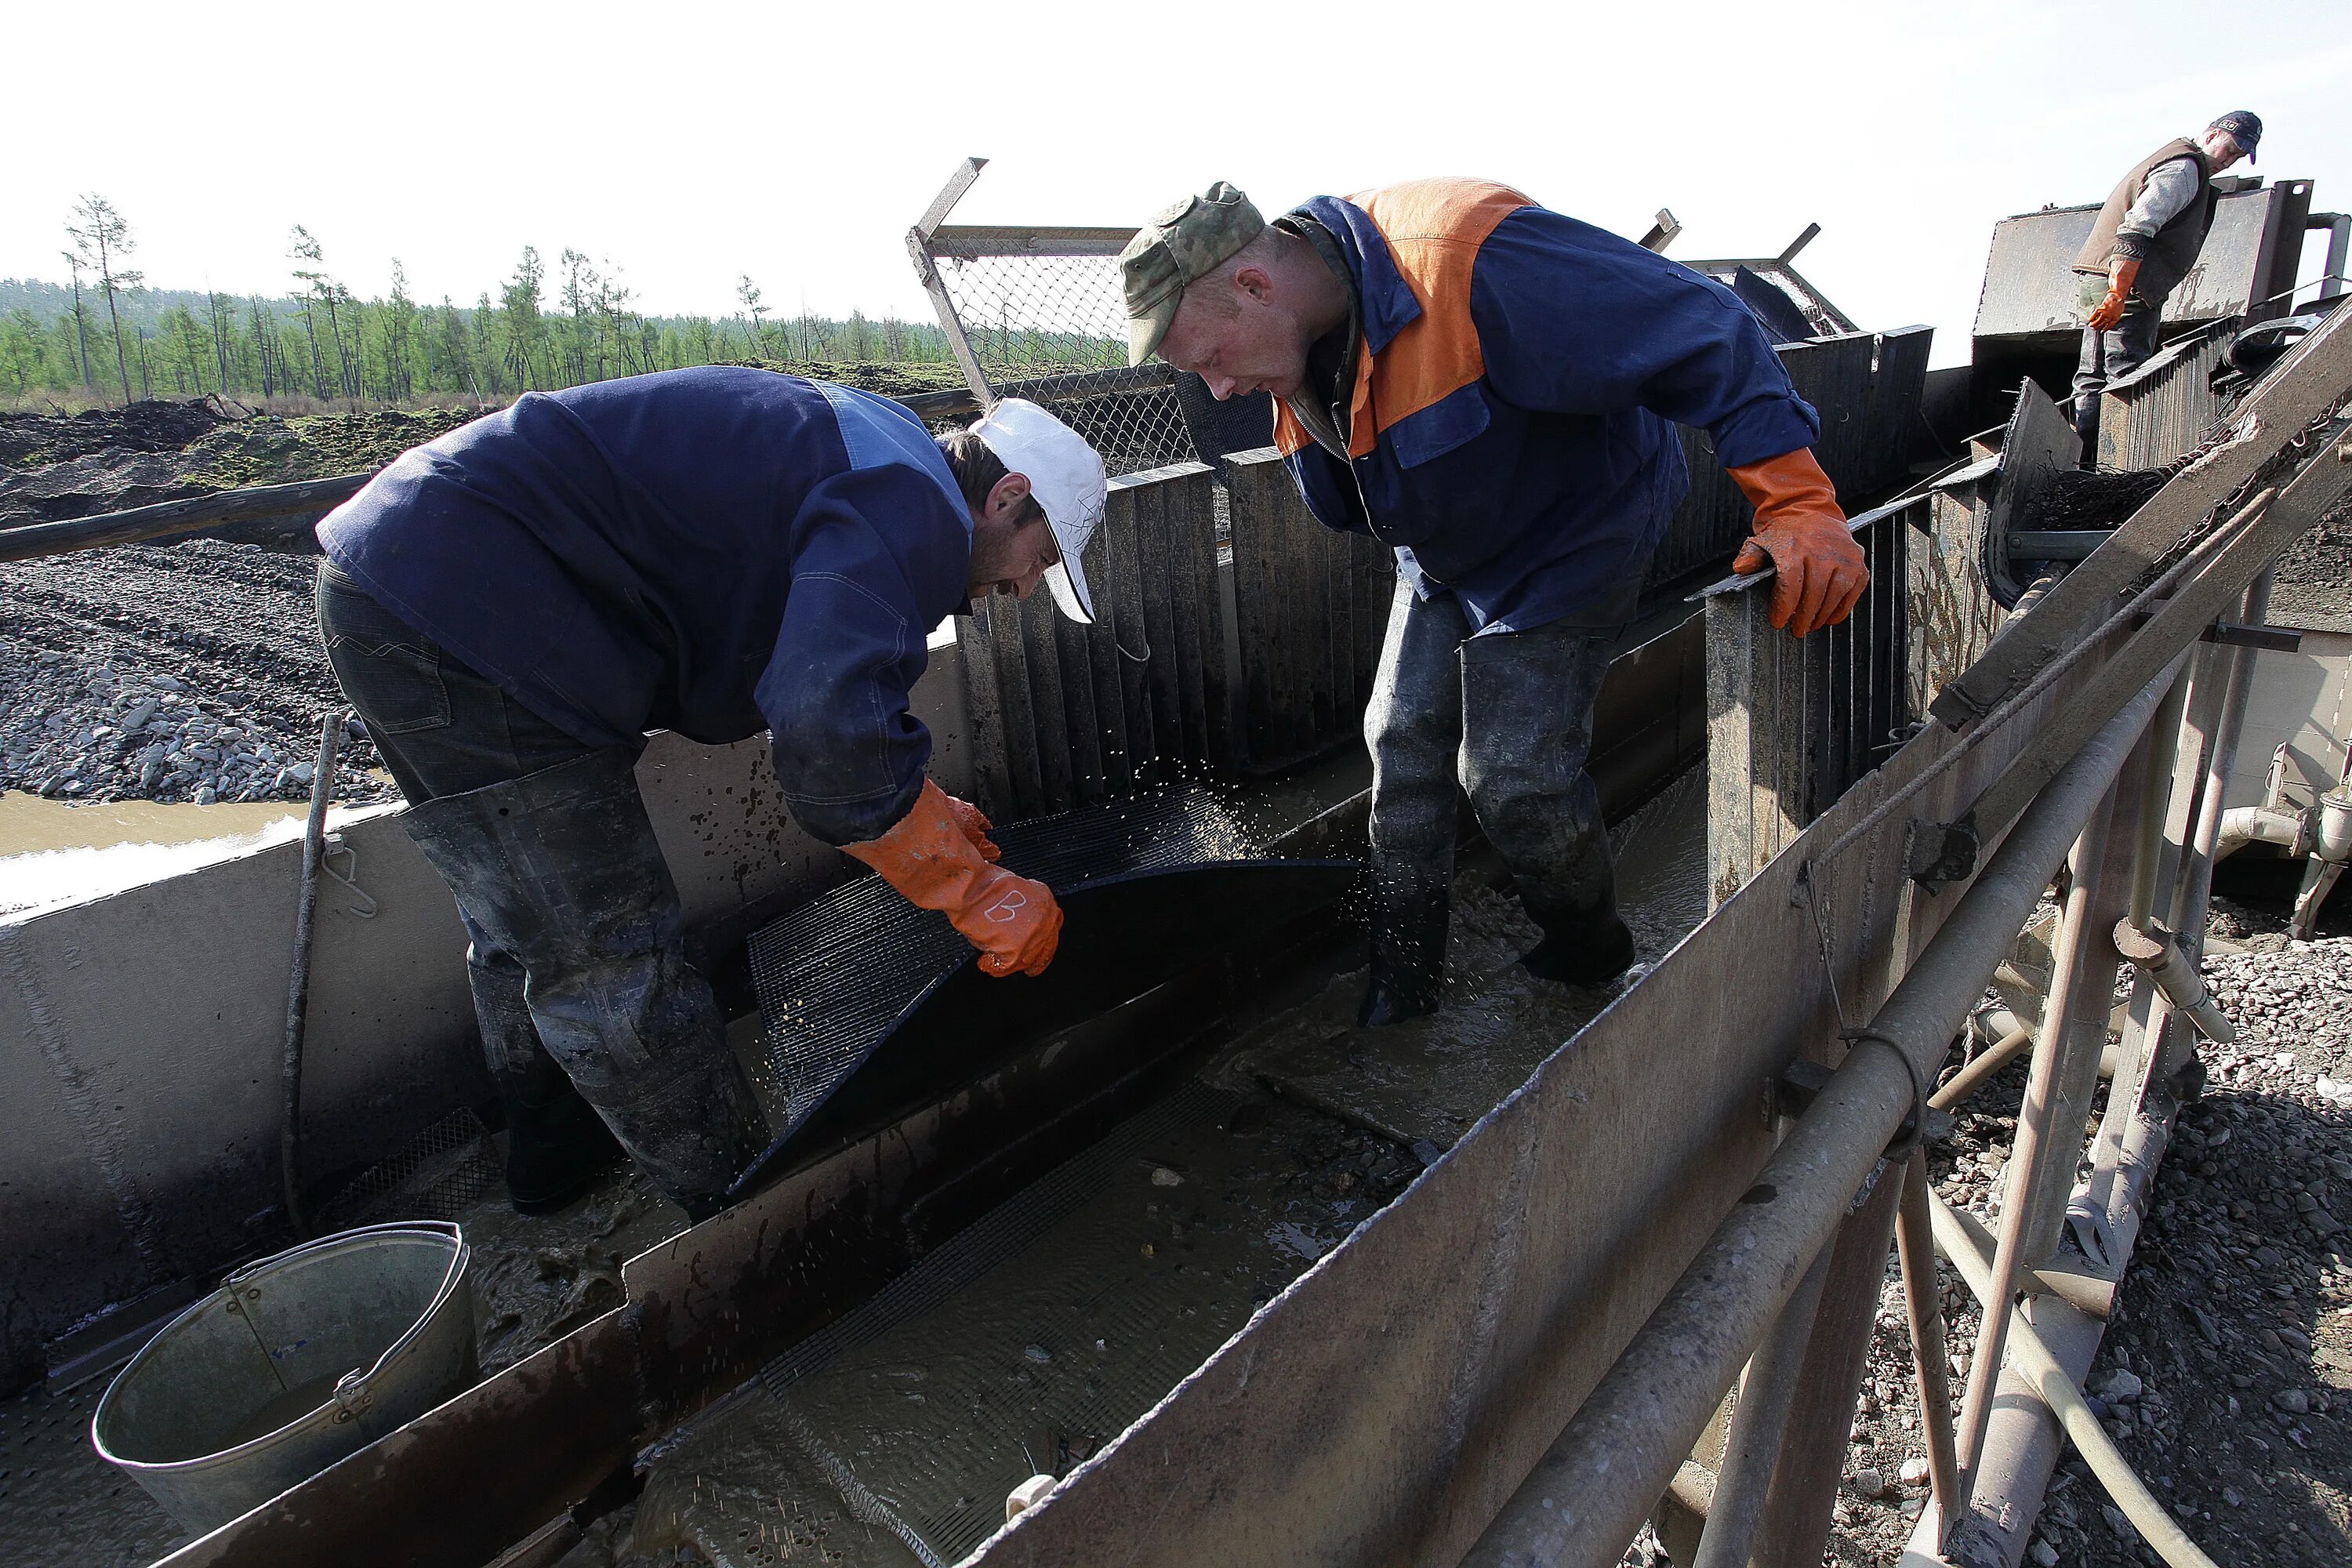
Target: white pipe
2245	824
2032	1358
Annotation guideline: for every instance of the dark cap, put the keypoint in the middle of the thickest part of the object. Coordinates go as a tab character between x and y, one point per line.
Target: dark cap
2245	127
1184	244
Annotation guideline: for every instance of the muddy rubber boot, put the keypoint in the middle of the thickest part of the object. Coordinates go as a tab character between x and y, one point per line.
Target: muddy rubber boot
559	871
1407	974
556	1143
2086	428
1581	947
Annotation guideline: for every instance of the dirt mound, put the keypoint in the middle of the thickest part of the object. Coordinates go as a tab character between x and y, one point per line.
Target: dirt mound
268	451
109	459
157	425
906	379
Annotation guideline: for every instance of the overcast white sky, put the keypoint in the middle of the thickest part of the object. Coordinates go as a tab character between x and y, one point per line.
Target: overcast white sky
693	141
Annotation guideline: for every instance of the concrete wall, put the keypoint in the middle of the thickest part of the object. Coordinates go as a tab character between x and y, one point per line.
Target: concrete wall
141	1033
2303	702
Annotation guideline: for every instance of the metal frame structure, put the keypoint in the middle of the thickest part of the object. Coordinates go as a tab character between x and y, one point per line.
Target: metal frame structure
1779	270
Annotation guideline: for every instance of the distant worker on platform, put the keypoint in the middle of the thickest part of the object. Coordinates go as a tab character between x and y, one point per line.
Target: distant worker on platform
1491	388
718	552
2144	241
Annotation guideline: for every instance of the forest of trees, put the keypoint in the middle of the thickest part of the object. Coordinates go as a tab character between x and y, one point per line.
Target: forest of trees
104	336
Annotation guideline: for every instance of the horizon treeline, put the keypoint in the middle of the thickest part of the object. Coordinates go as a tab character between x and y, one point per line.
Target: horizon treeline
104	335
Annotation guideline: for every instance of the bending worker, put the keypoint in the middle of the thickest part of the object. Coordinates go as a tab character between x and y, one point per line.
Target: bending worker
718	552
2144	241
1492	389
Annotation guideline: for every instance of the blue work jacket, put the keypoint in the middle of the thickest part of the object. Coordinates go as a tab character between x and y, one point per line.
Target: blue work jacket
718	552
1517	384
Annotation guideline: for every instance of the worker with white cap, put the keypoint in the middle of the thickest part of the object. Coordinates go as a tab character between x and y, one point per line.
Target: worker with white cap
717	550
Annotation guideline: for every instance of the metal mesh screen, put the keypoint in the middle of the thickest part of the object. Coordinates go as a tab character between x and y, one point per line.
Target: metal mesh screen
443	1172
933	1501
834	976
1053	329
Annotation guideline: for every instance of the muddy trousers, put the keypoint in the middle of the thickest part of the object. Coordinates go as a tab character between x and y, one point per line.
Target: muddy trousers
1510	716
577	954
2107	356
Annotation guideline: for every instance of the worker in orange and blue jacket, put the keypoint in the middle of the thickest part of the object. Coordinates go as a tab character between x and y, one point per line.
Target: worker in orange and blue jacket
1492	389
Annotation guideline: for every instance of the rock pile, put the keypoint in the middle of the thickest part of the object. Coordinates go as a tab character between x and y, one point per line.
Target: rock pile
189	672
2226	1376
83	730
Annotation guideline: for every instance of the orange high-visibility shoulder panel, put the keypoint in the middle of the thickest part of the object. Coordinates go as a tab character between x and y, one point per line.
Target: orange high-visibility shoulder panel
1434	229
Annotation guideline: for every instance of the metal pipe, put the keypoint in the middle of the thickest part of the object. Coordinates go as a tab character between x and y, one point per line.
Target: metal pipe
2245	824
2036	1139
2155	953
1931	1366
2197	888
1979	1069
2059	1391
1813	1453
2156	796
298	987
1753	1449
2023	1443
1592	1489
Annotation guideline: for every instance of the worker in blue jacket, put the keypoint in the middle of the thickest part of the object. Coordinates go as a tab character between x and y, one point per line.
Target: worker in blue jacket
1491	388
718	551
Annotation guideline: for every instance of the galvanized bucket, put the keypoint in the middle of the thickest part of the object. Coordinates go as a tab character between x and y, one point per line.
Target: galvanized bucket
294	1362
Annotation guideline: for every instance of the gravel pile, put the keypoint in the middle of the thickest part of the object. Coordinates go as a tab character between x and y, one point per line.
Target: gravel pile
187	672
2226	1376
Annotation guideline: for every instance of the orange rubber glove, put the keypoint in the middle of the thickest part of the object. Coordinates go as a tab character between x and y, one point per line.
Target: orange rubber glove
1819	570
934	858
2120	279
975	824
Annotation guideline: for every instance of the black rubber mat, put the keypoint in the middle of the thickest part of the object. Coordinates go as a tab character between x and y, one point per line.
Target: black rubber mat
1146	885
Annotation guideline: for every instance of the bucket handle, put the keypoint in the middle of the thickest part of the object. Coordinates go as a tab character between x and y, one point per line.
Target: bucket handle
351	1394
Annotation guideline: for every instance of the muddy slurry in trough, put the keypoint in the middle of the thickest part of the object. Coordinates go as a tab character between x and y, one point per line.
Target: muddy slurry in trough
1024	1344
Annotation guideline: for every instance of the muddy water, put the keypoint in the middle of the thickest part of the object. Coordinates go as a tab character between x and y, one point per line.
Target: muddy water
1431	1078
51	853
1025	1362
30	824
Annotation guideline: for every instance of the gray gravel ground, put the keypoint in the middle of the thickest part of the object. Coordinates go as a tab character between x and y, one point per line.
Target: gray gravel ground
180	672
2226	1377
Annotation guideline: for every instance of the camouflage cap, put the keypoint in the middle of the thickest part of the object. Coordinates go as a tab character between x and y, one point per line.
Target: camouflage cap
1187	241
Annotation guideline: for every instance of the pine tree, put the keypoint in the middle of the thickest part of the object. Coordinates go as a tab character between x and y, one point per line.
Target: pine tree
102	240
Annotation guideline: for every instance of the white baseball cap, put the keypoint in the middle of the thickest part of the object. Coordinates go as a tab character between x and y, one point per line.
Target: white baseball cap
1067	477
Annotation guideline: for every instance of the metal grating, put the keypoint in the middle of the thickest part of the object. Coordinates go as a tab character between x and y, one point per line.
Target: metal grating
443	1172
836	975
1053	329
1794	723
941	1513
